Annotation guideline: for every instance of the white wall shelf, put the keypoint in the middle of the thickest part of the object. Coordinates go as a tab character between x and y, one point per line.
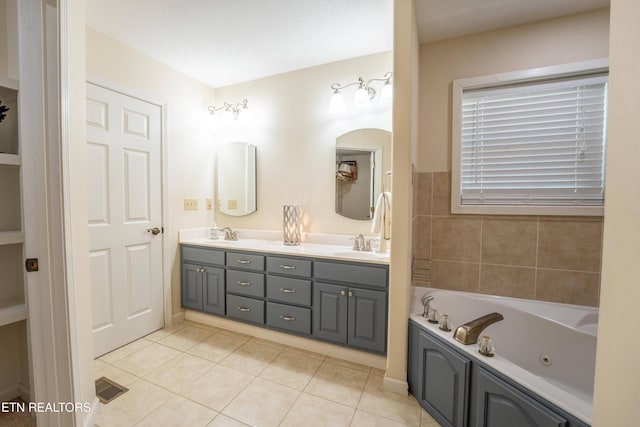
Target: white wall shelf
10	159
11	237
12	311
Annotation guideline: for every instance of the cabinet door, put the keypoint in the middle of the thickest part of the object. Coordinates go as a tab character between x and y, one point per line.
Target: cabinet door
330	312
367	319
443	383
213	290
497	404
191	286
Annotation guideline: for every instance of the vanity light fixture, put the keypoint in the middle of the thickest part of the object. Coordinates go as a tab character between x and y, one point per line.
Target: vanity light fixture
364	94
230	109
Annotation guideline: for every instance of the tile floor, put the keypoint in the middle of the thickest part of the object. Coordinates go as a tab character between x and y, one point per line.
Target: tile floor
196	375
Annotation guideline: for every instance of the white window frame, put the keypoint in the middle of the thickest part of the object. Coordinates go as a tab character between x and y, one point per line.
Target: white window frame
496	80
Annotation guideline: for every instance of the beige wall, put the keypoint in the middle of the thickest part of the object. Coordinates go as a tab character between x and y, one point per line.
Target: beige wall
295	135
617	369
552	42
189	137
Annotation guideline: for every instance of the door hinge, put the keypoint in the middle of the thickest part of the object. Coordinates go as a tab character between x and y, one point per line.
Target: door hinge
31	264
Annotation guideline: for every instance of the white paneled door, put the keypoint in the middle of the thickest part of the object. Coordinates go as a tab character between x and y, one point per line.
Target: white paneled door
124	146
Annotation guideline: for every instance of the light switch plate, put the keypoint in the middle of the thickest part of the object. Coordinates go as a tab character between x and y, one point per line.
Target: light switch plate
190	204
209	204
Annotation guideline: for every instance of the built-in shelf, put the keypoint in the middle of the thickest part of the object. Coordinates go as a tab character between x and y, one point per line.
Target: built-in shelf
10	159
9	83
12	311
11	238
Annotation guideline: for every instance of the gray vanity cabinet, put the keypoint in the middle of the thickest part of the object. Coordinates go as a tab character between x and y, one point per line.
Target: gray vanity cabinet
245	286
498	404
202	281
289	294
350	315
439	378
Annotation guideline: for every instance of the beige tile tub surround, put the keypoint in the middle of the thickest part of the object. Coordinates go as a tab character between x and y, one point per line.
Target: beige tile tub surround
550	258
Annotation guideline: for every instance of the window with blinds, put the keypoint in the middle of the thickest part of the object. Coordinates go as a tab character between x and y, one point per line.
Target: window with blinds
533	144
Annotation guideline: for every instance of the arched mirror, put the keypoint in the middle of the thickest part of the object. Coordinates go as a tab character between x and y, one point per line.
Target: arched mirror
237	179
362	158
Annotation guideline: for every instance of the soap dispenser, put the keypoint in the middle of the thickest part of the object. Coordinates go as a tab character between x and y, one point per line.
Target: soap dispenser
213	231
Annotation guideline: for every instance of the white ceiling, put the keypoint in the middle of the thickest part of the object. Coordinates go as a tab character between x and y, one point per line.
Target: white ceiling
222	42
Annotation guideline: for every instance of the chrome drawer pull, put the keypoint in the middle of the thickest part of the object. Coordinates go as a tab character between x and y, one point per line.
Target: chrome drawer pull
288	267
244	283
288	291
243	261
288	318
245	309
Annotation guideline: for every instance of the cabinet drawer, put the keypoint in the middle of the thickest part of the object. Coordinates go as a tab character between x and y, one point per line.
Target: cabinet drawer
289	266
245	283
288	290
243	308
352	273
287	317
202	255
246	261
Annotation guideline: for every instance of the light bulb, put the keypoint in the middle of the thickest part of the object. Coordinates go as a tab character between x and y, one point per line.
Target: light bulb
337	103
386	95
361	96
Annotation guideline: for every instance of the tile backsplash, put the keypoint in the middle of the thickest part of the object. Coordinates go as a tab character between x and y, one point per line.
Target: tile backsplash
550	258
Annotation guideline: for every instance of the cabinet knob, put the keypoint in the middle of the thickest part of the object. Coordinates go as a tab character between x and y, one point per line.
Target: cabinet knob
350	293
343	293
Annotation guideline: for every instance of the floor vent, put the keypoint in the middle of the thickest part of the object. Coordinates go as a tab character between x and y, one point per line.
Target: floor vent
107	390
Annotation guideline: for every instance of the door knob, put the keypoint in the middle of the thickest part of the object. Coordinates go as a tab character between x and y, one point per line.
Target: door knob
154	230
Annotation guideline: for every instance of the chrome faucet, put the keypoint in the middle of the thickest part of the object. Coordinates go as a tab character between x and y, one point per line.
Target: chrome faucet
229	234
358	244
426	299
470	331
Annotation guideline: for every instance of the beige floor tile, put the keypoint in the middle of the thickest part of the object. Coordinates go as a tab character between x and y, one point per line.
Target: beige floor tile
103	369
337	383
427	420
217	387
262	403
179	412
223	421
261	341
147	359
347	364
177	373
217	347
375	400
128	409
124	351
312	411
185	338
251	358
365	419
161	333
306	353
291	369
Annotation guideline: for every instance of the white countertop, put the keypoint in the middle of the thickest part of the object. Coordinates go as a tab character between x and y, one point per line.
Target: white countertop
327	246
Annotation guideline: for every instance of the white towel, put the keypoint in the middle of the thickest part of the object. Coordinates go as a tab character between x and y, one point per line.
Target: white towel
382	216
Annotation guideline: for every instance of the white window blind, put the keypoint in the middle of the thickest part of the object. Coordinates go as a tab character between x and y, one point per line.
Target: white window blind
534	144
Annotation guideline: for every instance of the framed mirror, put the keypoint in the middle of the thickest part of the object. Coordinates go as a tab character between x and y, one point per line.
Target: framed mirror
362	158
237	179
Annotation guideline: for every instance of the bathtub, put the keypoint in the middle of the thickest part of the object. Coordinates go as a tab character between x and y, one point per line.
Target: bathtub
549	348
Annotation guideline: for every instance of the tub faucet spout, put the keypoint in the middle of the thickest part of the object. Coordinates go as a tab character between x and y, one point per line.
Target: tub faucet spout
426	299
470	331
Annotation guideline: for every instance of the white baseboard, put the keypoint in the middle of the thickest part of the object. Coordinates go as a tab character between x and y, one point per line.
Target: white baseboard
396	386
177	317
90	419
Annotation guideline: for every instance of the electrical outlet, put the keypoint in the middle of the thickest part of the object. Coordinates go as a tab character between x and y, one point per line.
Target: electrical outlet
190	204
209	204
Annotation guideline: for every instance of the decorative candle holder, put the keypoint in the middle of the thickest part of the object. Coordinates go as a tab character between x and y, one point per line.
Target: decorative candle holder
291	224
